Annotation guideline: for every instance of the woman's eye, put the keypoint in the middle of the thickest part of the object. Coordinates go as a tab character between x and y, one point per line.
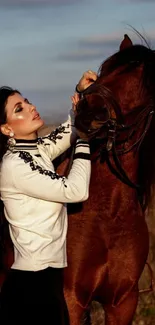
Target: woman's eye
18	109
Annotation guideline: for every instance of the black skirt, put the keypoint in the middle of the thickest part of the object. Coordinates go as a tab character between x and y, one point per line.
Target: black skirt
33	298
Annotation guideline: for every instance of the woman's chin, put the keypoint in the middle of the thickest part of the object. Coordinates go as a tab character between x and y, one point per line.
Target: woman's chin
40	123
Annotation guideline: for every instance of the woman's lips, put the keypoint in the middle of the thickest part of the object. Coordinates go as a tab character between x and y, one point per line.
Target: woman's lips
36	116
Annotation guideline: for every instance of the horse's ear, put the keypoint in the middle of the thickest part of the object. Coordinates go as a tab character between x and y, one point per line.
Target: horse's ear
126	42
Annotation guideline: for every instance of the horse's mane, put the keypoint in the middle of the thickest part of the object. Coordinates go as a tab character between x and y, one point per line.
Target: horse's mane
127	60
131	58
146	170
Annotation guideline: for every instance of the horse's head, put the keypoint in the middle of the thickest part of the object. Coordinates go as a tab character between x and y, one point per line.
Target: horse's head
119	106
125	85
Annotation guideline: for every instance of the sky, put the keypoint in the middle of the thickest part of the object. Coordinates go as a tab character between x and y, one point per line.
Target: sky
46	45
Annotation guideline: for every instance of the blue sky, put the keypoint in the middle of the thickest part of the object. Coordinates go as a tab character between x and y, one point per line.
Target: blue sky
46	45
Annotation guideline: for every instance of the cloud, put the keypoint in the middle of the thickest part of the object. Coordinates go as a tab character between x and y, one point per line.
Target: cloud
99	41
102	46
146	1
135	1
81	55
93	48
38	2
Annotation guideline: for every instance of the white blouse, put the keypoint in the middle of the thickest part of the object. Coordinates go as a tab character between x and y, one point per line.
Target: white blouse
35	197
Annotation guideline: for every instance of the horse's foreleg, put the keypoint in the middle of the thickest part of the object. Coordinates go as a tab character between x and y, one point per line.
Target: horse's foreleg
79	317
76	313
123	313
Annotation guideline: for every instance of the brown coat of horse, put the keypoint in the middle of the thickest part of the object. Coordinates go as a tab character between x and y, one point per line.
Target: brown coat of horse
108	238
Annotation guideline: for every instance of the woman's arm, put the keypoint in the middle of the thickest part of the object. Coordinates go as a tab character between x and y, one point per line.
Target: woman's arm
47	185
60	139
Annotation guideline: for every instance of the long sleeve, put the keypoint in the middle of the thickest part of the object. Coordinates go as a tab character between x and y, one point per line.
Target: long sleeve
30	179
61	138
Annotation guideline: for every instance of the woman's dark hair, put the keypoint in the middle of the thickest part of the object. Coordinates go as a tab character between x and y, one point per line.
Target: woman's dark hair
5	92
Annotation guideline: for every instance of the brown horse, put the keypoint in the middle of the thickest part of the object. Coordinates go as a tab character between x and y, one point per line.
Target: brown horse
108	237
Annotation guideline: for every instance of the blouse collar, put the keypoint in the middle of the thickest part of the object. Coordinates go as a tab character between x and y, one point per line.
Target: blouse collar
27	145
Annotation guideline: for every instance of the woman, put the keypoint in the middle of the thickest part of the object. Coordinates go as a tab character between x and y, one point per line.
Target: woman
35	198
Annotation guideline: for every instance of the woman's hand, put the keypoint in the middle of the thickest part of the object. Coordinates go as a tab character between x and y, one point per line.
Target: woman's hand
87	79
75	99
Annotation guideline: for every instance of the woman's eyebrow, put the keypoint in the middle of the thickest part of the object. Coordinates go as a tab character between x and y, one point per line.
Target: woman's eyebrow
17	104
25	101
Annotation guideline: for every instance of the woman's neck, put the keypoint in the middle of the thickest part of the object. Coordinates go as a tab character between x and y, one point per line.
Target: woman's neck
32	136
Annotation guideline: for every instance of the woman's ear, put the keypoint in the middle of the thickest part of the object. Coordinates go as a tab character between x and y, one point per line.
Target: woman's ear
5	129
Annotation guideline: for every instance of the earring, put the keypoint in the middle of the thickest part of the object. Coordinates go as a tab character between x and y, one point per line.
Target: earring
11	141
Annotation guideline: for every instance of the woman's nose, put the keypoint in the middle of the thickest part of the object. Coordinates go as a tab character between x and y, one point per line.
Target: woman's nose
32	107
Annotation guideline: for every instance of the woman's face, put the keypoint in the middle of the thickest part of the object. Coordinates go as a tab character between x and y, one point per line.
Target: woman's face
22	118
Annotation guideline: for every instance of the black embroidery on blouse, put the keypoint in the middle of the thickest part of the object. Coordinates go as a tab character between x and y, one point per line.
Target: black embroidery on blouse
34	166
40	140
54	135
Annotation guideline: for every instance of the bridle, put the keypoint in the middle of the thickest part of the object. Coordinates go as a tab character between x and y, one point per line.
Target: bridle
111	147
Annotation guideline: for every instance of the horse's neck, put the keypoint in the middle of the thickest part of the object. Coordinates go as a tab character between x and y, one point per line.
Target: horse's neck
104	182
